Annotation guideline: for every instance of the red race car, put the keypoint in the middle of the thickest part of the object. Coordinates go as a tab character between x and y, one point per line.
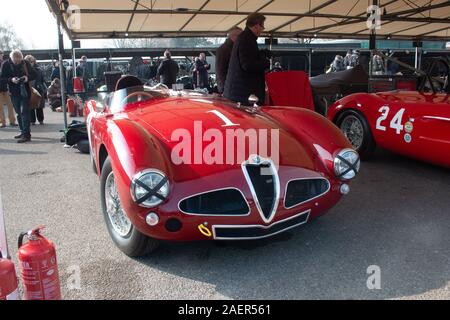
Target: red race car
411	123
180	165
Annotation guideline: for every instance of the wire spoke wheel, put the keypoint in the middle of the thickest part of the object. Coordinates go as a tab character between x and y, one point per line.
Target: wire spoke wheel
353	129
119	221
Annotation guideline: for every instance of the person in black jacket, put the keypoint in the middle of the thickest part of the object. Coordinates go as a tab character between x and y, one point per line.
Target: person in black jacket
223	55
39	85
247	64
18	73
201	68
168	70
5	100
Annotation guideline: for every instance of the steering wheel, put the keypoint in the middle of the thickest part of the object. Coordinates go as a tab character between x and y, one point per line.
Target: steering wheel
138	94
435	83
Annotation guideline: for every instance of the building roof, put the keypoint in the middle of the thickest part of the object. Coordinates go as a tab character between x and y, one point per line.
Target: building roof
401	19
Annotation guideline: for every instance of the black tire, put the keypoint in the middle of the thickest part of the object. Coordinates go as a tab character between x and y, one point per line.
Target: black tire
83	146
368	145
135	243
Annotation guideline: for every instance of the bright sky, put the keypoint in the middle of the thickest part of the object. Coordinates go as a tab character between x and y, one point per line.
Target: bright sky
34	24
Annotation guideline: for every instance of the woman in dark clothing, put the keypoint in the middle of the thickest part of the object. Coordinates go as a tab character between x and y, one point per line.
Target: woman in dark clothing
39	85
18	72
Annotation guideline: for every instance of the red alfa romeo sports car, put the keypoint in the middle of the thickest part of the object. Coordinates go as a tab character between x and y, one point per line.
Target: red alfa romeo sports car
411	123
173	166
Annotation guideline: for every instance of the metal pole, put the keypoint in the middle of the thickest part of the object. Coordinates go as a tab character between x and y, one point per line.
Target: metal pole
416	60
3	243
62	75
74	70
309	62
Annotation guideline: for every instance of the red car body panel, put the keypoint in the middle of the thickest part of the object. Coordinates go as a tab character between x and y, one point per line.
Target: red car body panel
139	137
392	116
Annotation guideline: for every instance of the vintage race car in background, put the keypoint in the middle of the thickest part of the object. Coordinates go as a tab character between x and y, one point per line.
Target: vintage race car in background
148	194
411	123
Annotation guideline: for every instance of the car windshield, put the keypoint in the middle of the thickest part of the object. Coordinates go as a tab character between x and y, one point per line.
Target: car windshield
135	96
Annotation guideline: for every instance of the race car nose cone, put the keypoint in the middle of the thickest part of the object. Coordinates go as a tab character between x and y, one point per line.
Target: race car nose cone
152	219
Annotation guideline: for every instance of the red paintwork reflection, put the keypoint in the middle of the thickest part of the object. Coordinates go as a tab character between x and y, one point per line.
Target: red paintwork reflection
140	137
428	113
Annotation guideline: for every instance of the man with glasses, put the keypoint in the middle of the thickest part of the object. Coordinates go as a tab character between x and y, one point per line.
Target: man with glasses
247	64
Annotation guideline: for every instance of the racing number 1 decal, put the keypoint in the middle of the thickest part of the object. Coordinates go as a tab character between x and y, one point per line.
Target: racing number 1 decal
396	122
227	122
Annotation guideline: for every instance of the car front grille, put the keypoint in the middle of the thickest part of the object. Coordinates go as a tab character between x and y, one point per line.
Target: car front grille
262	181
225	202
247	232
302	190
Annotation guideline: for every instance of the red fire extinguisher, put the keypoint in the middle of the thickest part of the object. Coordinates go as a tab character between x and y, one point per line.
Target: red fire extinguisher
8	279
38	267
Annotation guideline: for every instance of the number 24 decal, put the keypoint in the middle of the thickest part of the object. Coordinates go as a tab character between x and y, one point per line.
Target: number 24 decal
396	122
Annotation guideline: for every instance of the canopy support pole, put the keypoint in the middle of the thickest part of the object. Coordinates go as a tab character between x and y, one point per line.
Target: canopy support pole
309	61
418	54
62	75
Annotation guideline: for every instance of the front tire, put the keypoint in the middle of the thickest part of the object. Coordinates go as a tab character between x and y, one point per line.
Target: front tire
126	237
357	130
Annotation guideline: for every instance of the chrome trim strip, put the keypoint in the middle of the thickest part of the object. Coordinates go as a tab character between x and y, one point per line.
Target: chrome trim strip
252	189
216	215
298	204
437	118
308	212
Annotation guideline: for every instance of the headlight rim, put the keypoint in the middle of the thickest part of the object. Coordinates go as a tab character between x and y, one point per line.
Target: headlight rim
139	175
354	165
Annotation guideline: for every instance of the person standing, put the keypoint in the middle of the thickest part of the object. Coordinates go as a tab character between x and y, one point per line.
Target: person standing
55	71
202	67
168	70
246	72
5	100
223	55
18	73
39	85
82	72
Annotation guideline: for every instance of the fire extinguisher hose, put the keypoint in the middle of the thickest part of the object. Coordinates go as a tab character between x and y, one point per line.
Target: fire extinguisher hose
20	241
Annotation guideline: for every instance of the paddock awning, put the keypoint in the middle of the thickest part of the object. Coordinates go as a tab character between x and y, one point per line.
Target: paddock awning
401	19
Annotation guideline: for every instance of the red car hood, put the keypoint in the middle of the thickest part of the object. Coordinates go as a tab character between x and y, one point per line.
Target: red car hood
166	117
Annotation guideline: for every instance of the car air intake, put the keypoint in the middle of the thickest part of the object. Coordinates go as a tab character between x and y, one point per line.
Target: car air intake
263	185
299	191
221	202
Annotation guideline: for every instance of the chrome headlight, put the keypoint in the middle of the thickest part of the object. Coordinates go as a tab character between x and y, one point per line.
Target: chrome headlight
346	164
149	188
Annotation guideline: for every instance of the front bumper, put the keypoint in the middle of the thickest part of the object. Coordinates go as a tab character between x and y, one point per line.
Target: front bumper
249	232
220	227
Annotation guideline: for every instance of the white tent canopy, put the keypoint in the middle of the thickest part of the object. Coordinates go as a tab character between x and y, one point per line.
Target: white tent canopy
401	19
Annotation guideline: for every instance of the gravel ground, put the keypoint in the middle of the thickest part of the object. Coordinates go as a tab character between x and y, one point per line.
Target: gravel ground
396	217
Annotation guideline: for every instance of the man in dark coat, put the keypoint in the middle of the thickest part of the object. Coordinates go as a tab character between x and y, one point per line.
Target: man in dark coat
18	72
247	64
223	56
168	70
202	67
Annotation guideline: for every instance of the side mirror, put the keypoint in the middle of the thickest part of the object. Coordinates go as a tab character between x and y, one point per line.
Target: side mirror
253	100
